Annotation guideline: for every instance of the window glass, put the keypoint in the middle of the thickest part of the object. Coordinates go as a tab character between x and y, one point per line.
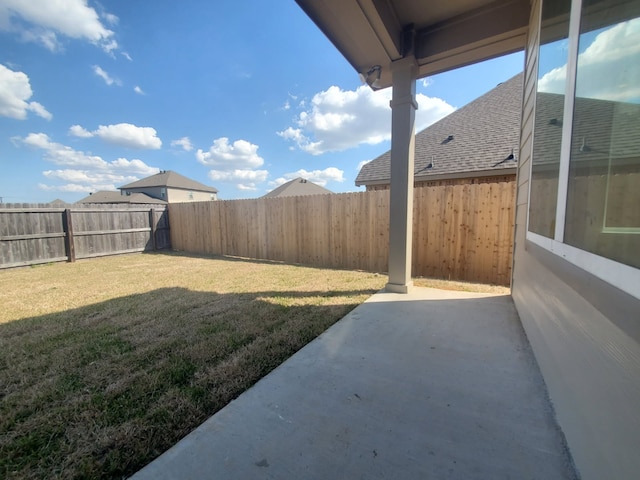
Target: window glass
552	61
603	196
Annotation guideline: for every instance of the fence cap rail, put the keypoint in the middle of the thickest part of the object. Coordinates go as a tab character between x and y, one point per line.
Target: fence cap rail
80	210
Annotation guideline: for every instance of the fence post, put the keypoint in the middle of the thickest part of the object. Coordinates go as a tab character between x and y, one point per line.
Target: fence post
68	239
152	224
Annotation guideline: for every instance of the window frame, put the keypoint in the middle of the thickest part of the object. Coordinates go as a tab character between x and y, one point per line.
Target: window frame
620	275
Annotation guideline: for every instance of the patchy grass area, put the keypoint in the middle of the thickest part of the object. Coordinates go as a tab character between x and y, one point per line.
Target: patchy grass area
106	363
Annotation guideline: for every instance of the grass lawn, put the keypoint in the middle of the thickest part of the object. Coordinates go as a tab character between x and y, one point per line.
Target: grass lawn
106	363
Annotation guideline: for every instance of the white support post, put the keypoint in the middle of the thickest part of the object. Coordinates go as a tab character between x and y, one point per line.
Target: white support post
403	112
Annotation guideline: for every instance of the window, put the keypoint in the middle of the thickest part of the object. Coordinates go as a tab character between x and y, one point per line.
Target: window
585	171
603	196
549	121
190	195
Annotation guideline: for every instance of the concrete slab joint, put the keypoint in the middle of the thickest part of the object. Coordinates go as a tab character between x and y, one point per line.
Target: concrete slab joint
403	109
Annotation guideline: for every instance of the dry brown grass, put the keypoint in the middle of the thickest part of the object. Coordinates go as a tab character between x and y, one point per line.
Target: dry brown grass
106	363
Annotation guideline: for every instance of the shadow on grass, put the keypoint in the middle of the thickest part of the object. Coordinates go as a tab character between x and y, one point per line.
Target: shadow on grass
230	258
99	391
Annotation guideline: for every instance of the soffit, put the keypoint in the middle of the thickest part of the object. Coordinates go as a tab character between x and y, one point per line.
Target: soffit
447	34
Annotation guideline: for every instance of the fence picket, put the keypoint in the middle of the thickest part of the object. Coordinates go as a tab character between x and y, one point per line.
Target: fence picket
33	234
461	232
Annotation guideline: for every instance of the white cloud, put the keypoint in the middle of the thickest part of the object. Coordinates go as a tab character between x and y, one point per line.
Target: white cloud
88	177
138	90
108	79
43	21
75	188
241	154
15	91
362	164
236	162
61	154
128	135
249	186
127	56
39	110
425	82
244	176
111	18
78	131
85	172
122	134
183	142
341	119
321	177
608	67
245	180
134	167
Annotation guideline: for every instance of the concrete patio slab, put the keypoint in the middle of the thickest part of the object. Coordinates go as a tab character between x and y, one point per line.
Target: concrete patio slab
432	385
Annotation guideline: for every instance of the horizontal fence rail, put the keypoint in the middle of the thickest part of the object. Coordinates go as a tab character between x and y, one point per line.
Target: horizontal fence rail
460	232
33	234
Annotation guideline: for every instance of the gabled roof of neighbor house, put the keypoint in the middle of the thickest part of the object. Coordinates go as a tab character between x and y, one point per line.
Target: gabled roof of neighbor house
299	186
169	179
105	196
469	142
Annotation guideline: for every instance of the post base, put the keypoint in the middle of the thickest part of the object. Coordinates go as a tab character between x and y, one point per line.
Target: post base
399	288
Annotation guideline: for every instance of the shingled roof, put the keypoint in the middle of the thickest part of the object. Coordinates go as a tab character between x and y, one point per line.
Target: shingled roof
105	196
299	186
602	130
467	143
167	178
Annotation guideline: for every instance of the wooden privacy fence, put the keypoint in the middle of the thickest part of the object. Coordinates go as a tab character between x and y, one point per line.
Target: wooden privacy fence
32	234
460	232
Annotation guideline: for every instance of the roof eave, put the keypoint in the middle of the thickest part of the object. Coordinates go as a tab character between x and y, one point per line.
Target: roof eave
369	32
445	176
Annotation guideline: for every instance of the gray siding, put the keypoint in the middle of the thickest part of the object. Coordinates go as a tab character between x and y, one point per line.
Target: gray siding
585	334
155	192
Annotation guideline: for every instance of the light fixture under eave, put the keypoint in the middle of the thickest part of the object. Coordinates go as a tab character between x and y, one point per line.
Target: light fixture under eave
364	77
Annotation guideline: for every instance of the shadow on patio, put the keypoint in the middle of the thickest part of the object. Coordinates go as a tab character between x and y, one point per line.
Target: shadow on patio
434	384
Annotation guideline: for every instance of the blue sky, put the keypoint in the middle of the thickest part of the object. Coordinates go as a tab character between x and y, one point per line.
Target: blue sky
241	95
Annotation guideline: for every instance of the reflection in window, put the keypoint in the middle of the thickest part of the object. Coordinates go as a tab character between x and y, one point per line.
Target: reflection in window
603	198
549	119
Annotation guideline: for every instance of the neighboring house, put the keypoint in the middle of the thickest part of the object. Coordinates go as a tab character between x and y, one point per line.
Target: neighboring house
105	196
297	187
576	267
172	188
477	143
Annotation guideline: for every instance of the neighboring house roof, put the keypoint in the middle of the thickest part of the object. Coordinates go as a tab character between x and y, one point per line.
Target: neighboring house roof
169	179
299	186
467	143
104	196
603	134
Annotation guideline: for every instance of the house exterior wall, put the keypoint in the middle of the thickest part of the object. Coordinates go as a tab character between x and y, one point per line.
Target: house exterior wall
174	195
155	192
585	332
451	181
177	195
